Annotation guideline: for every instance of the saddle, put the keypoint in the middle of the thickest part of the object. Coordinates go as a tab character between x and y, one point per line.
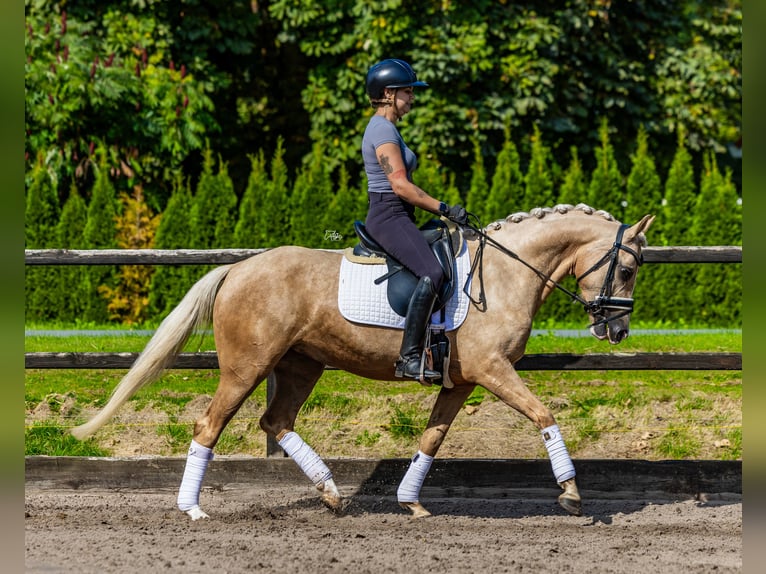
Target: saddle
401	281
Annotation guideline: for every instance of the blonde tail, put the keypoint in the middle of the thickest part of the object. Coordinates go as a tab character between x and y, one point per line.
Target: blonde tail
194	312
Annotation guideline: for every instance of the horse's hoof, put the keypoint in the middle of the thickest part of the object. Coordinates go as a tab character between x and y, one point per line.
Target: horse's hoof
571	504
570	499
334	503
195	512
330	496
415	508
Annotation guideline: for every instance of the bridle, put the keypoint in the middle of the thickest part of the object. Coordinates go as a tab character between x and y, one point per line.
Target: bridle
597	307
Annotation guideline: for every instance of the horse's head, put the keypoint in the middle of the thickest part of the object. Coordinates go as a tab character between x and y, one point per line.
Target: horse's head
607	279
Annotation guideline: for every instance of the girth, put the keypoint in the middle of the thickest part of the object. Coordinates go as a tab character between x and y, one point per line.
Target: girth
401	281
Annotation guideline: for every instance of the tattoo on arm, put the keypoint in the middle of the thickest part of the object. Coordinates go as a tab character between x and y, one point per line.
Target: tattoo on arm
385	164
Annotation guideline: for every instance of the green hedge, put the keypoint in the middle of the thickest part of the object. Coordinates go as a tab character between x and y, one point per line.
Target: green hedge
317	209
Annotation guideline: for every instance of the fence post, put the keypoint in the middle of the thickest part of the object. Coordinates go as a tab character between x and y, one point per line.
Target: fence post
273	450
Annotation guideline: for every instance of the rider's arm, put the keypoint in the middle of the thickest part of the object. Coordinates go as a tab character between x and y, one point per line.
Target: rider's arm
391	162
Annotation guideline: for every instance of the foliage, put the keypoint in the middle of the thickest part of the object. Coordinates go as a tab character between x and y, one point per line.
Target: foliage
672	227
213	212
717	292
247	232
274	217
128	301
170	283
643	196
41	217
606	188
538	181
108	76
100	233
564	65
574	187
70	297
311	195
506	191
476	200
346	206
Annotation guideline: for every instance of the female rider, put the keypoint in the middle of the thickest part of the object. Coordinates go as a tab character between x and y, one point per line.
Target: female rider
393	197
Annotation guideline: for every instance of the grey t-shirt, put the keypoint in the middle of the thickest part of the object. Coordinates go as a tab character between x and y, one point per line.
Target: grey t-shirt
379	131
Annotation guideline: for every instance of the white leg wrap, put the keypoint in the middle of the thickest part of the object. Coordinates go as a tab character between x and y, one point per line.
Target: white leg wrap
196	465
305	457
563	469
409	489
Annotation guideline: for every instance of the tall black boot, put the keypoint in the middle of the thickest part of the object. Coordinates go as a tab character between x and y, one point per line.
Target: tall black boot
415	324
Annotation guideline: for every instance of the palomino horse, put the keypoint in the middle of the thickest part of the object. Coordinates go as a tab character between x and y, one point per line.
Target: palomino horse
278	312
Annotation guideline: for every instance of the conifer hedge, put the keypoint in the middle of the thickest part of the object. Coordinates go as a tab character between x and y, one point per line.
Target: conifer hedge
317	207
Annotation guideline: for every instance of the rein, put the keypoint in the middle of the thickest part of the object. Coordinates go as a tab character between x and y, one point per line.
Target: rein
597	307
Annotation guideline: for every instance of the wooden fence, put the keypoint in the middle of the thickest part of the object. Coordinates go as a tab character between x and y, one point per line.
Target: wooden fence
209	360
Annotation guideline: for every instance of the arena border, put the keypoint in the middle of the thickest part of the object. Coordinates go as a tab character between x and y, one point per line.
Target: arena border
465	478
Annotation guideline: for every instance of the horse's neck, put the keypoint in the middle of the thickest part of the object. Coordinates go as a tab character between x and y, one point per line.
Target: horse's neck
546	248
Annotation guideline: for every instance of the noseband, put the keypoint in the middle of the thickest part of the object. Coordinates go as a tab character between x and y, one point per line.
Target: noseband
597	307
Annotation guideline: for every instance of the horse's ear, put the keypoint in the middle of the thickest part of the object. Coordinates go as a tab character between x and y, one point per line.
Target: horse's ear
638	228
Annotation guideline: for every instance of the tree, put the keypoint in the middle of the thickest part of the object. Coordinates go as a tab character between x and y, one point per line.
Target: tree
717	292
171	282
107	76
538	183
606	187
476	200
673	227
643	196
343	210
274	218
100	233
128	301
507	190
247	232
70	296
312	193
41	219
213	211
574	188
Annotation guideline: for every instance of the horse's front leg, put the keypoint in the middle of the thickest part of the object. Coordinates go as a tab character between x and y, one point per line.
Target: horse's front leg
448	404
510	388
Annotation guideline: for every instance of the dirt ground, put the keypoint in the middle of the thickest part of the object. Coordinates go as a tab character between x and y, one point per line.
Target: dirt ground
288	530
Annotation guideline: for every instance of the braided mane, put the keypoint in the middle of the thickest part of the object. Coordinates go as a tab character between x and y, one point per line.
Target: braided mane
540	212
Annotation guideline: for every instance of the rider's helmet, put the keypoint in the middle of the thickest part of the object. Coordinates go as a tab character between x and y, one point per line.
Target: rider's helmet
391	73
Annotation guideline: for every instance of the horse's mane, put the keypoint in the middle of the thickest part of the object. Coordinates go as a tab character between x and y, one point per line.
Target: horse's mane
541	212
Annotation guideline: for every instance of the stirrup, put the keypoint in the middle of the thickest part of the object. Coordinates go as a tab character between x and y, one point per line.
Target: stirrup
417	369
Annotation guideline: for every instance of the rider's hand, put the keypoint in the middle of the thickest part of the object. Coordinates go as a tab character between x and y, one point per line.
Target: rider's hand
457	214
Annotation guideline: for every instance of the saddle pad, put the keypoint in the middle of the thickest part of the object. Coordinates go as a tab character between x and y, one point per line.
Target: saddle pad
361	301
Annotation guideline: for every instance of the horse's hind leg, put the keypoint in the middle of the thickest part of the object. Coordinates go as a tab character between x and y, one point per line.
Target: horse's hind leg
236	384
296	376
448	404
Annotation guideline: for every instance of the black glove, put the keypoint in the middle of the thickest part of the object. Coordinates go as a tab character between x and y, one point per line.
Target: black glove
454	213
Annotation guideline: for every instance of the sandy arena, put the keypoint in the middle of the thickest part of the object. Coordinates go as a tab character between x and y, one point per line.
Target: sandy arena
288	530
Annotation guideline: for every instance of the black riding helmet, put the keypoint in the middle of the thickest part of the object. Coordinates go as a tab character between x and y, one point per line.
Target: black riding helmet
391	73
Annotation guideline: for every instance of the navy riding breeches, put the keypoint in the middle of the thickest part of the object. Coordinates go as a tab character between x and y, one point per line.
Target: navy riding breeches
391	222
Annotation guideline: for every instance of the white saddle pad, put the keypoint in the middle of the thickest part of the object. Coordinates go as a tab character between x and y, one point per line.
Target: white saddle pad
361	301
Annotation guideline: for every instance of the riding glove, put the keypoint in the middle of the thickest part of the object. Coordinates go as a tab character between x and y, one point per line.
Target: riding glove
454	213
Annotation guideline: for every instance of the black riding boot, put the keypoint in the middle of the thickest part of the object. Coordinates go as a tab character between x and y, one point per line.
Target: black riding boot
415	324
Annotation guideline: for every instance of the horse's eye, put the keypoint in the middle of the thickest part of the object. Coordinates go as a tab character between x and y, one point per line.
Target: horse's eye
626	273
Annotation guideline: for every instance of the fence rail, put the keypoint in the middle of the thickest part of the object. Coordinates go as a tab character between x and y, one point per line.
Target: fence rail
674	254
531	362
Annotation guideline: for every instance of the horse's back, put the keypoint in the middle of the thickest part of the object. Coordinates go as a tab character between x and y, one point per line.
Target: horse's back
281	275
